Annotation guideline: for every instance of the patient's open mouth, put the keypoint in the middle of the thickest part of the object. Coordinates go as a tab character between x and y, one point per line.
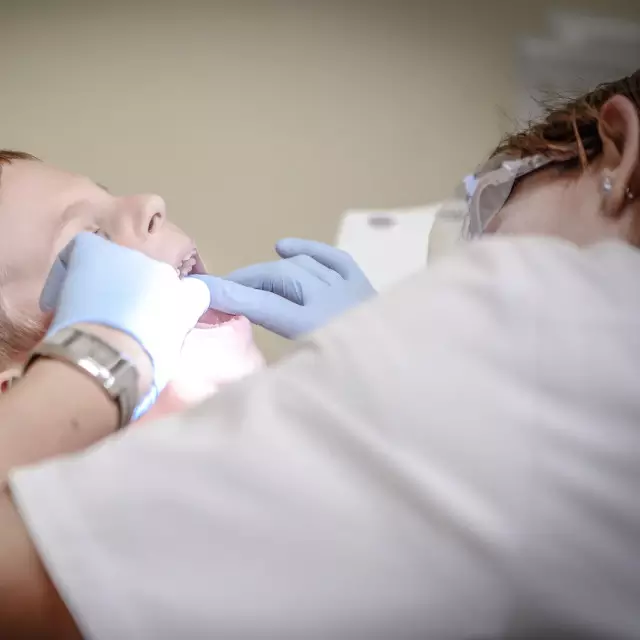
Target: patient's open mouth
192	265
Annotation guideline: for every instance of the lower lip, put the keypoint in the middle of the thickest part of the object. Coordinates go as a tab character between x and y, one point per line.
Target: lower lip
211	319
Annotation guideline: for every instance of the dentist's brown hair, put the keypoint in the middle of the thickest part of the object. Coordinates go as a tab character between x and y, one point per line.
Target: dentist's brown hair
569	129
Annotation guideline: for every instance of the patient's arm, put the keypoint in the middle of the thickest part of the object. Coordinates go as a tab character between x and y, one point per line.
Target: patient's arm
54	409
31	430
30	606
57	409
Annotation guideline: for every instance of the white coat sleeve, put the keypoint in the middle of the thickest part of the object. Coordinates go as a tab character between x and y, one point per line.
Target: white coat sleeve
422	468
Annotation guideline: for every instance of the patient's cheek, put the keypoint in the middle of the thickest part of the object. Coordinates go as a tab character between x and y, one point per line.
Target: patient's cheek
210	357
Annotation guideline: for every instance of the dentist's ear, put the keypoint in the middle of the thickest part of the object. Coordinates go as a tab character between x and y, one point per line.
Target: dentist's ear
7	379
619	128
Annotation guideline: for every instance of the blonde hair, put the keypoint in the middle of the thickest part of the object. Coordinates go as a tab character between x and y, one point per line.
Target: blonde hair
18	334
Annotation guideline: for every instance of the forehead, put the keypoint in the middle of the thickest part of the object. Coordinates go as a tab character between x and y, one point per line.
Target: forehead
36	193
31	180
37	201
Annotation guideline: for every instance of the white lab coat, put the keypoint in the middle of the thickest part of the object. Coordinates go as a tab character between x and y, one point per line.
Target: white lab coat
460	458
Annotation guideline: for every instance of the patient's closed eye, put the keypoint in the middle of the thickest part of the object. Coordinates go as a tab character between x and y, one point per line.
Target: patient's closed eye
102	234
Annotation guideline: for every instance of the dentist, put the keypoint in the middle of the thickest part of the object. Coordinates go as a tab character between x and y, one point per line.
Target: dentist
456	458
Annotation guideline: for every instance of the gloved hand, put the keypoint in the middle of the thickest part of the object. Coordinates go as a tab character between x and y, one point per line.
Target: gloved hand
311	284
96	281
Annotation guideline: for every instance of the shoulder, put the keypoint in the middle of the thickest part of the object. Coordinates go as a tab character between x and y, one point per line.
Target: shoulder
504	321
549	274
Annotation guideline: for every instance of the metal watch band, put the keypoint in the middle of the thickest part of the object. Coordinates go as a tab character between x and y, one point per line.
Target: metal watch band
99	360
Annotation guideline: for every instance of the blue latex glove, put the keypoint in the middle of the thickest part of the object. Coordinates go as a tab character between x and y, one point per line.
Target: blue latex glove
310	285
96	281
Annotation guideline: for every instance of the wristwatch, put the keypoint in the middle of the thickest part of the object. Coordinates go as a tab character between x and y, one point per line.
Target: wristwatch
99	360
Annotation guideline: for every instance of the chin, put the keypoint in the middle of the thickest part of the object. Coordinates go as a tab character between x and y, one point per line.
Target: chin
213	355
22	337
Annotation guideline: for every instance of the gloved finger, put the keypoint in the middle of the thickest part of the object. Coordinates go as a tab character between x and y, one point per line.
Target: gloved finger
53	284
257	276
329	276
195	300
340	261
269	310
281	277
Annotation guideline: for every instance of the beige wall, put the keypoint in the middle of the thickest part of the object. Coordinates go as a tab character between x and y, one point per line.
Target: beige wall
267	118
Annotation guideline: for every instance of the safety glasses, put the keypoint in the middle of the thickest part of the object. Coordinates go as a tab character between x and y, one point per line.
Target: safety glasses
489	188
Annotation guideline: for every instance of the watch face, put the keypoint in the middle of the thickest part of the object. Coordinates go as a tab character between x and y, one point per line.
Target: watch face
111	370
101	352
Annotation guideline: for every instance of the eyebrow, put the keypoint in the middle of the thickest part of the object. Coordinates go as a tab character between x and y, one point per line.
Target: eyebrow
103	187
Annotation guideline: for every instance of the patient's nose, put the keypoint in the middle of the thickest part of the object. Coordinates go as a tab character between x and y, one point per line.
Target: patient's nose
150	213
136	219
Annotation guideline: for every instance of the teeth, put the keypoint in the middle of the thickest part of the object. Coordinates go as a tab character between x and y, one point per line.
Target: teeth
186	267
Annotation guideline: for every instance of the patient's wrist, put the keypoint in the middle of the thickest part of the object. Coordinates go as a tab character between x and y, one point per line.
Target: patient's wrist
57	408
129	348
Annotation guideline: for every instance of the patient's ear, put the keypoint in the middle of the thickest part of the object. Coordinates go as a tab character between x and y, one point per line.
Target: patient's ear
619	128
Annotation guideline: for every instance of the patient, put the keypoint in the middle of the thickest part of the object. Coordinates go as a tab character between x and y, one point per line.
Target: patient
41	209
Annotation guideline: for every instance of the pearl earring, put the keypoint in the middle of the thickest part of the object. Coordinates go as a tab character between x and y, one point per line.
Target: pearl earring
607	187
